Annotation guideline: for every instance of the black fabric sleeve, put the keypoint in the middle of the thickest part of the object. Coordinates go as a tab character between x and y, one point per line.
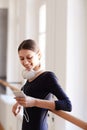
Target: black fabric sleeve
63	105
62	102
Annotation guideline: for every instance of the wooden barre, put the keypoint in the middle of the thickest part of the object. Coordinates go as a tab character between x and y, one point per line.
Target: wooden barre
70	118
62	114
6	84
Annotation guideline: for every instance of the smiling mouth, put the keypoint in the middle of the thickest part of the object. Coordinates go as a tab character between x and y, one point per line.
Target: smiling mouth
28	68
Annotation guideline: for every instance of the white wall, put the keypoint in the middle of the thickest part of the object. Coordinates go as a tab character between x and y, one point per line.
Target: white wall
56	45
85	75
76	58
4	3
16	33
32	19
67	50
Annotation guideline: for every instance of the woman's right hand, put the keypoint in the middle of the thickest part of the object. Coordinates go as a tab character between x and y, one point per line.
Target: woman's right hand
16	109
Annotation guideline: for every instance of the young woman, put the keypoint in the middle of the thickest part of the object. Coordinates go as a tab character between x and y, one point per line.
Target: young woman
39	86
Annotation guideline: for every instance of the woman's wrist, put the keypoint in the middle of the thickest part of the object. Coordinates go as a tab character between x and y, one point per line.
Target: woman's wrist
44	104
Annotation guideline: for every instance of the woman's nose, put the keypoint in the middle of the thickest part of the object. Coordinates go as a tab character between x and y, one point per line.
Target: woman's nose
25	62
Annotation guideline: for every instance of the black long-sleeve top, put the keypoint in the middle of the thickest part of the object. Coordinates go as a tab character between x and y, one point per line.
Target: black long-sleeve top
41	88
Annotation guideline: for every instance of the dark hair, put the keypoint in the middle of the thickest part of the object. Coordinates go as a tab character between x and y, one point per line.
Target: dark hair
28	44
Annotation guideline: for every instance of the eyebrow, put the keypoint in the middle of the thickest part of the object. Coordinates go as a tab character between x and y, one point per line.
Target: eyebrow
29	55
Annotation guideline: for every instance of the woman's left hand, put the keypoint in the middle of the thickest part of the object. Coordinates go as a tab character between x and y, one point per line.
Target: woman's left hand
27	101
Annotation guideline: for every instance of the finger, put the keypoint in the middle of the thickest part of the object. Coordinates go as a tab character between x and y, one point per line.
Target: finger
14	113
18	110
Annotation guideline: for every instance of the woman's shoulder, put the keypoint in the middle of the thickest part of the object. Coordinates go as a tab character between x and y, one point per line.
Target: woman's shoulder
49	74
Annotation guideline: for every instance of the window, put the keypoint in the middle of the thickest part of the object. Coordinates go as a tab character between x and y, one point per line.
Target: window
42	31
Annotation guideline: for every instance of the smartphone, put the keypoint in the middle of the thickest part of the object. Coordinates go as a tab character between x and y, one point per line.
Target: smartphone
19	94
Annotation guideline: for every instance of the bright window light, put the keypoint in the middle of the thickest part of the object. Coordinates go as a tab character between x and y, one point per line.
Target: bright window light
42	31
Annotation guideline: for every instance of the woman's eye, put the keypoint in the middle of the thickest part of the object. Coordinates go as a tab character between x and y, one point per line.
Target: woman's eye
29	58
21	59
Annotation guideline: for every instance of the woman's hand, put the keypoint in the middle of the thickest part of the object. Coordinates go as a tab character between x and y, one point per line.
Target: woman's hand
16	109
27	101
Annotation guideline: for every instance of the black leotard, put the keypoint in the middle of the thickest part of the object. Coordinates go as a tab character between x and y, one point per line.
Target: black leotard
42	87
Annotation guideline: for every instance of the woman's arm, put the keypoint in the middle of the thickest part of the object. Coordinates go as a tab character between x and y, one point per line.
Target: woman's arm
48	104
34	102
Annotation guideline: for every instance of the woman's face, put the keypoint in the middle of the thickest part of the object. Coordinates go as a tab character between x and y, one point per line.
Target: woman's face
29	59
